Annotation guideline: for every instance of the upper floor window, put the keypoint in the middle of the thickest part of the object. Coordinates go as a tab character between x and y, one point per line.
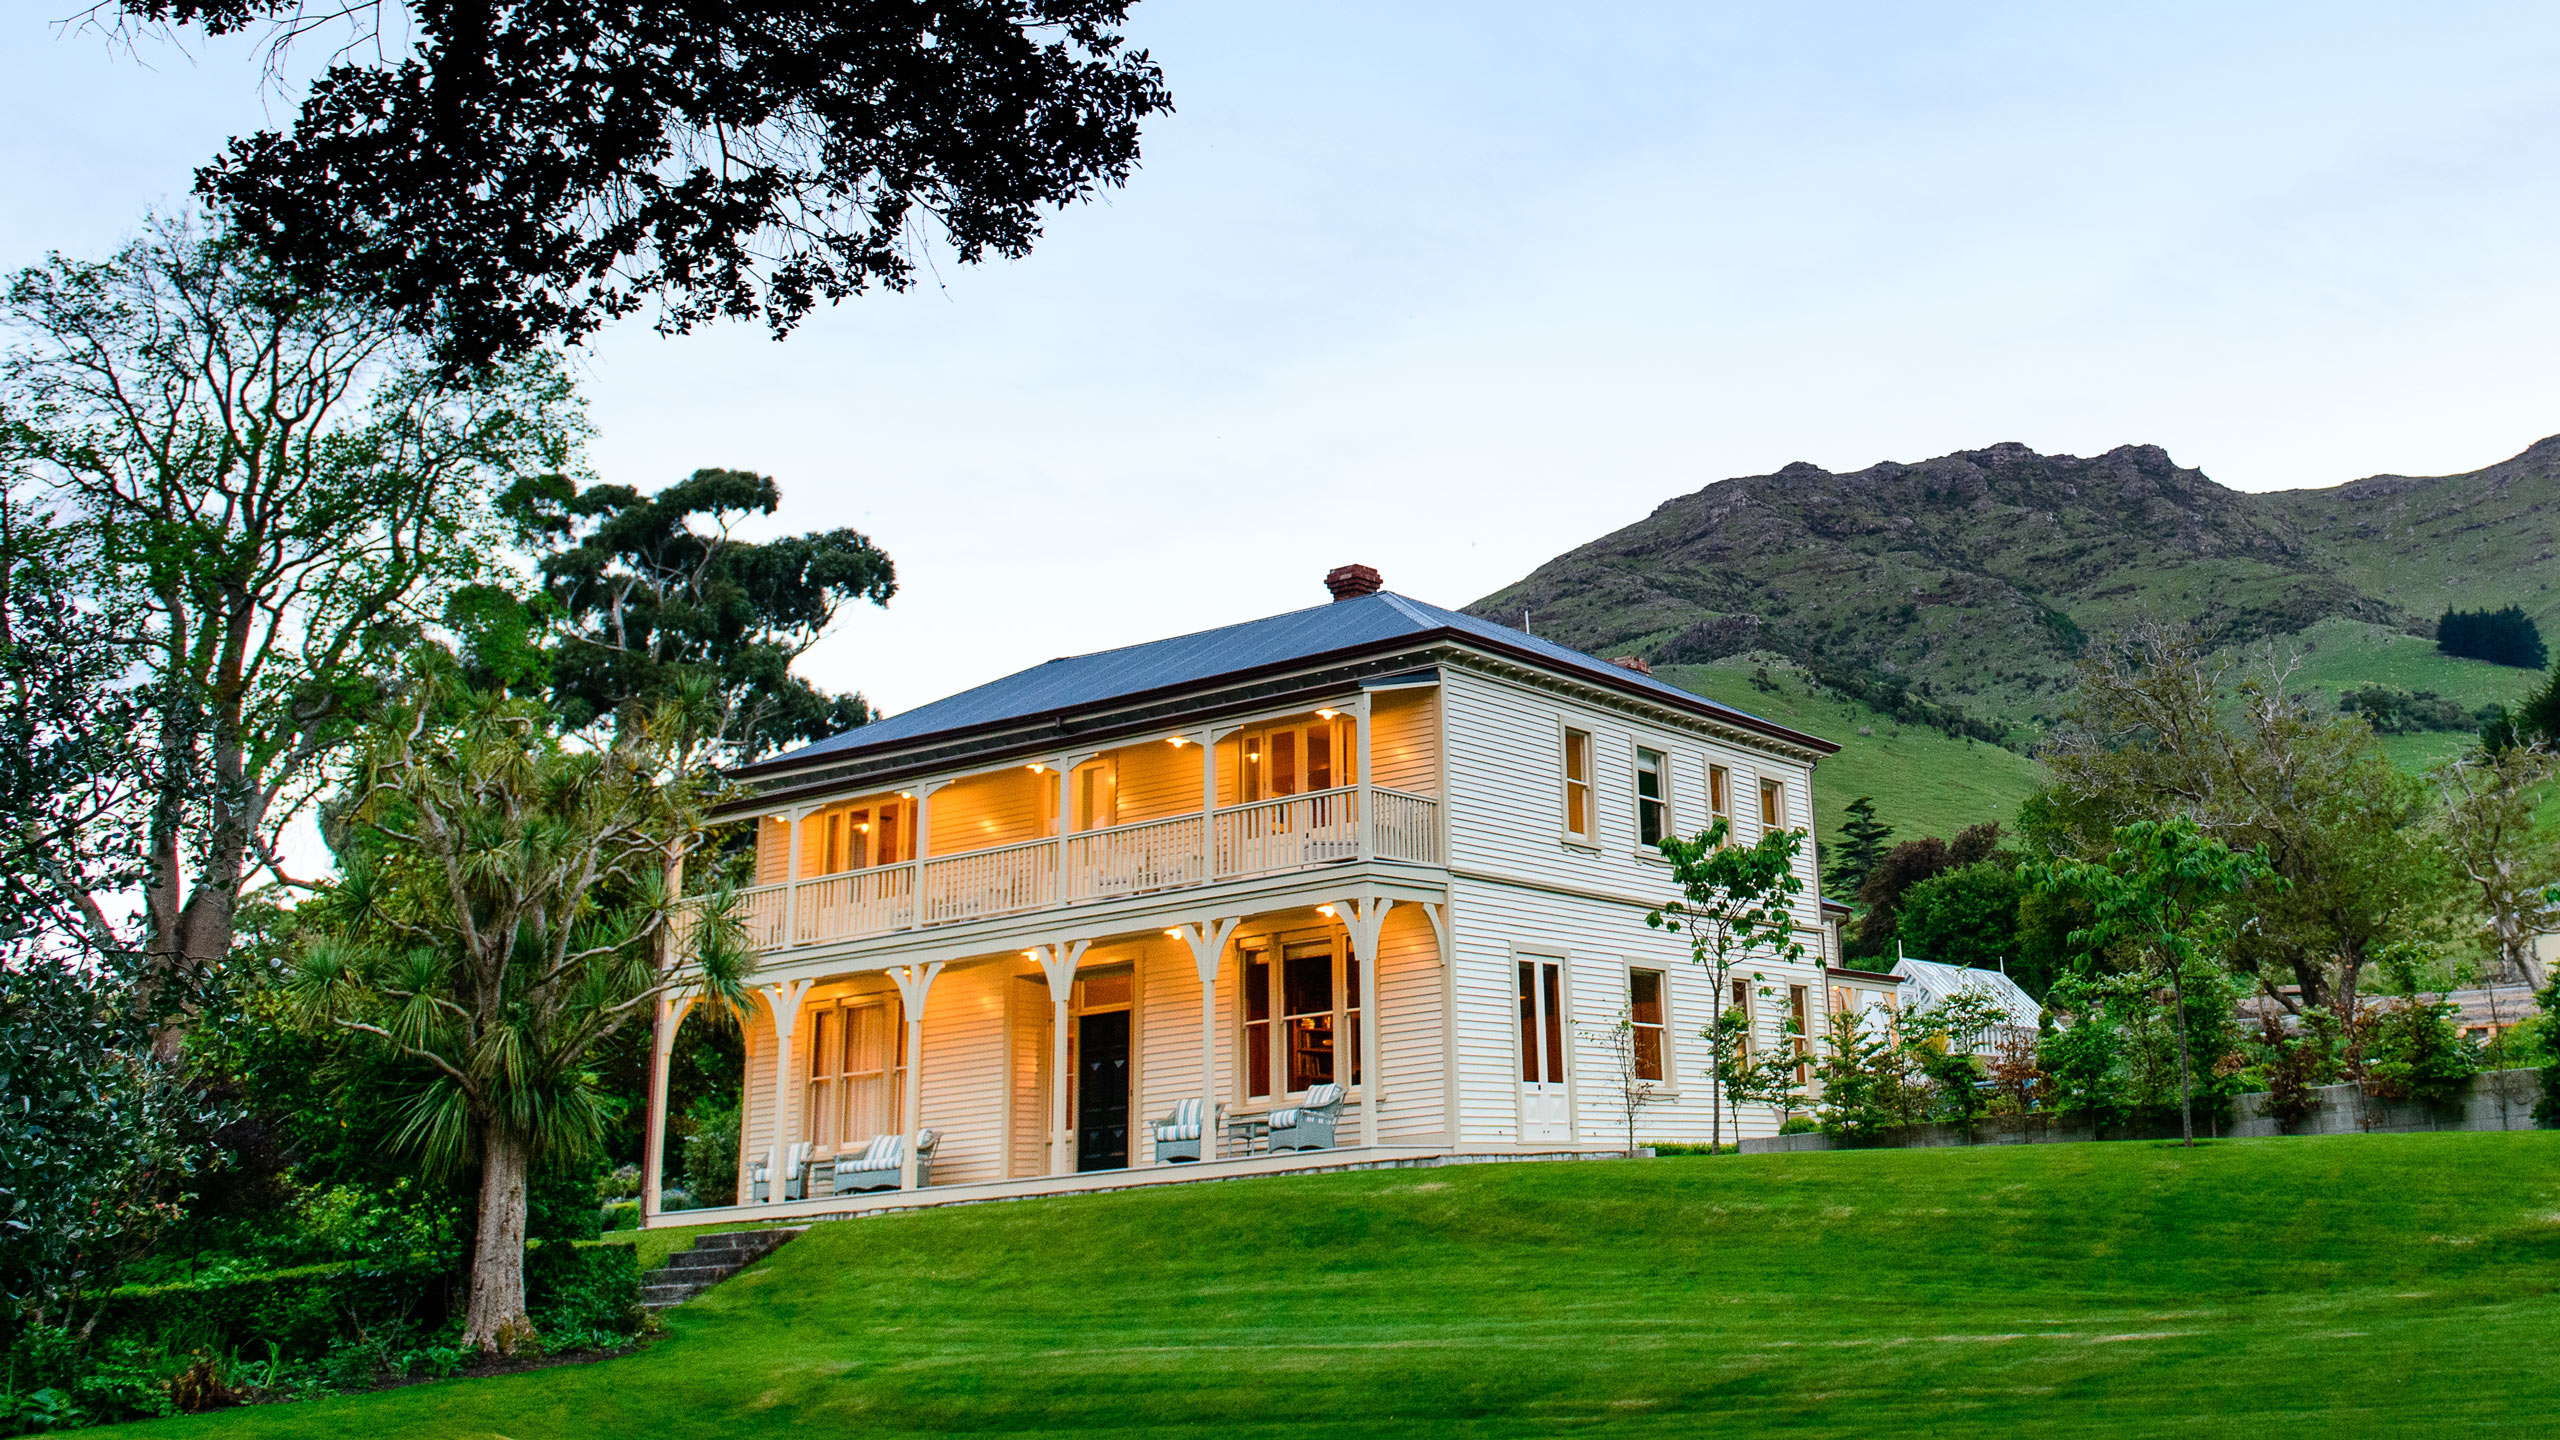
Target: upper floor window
1653	803
1773	806
1577	784
1742	1008
1094	789
1720	793
1295	759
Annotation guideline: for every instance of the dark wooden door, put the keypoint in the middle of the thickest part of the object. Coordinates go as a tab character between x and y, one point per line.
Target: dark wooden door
1102	1091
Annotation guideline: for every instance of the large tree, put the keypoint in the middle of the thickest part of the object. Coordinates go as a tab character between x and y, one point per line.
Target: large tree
499	174
270	489
502	916
643	597
2157	729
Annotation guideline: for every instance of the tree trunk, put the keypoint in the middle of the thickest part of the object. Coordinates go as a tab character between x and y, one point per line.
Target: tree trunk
497	1321
2186	1108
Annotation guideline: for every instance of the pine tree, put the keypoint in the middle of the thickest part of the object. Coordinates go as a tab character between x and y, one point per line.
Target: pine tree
1862	846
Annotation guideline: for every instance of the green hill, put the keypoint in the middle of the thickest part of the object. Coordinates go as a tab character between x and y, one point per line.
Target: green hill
1974	579
1924	781
2361	1285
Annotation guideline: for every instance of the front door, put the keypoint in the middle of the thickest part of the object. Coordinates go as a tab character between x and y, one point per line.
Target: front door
1545	1114
1102	1091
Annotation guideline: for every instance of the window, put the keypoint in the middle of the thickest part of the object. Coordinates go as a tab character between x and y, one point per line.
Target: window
1742	1006
1296	1004
1577	784
849	1075
1801	1042
1653	805
1644	1014
1095	791
1720	794
1773	806
1296	759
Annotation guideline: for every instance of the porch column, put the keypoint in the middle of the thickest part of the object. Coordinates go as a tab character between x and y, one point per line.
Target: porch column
653	1163
1208	942
783	1000
1365	810
924	847
1364	918
1210	735
1058	963
1065	825
791	879
915	982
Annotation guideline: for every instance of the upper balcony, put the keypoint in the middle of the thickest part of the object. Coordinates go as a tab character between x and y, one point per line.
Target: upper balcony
1167	813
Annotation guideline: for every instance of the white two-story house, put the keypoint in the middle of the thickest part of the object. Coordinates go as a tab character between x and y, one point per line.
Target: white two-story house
1374	843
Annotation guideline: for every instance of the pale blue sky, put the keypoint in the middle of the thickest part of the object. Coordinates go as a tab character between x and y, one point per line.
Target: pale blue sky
1449	289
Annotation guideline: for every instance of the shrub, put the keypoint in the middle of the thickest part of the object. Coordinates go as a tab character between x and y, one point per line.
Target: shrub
2116	1062
2413	1052
2501	637
2290	1066
303	1312
1799	1125
711	1152
2393	711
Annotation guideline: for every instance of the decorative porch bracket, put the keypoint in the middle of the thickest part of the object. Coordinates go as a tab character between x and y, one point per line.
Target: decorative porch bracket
1364	918
1058	961
1208	942
783	999
915	983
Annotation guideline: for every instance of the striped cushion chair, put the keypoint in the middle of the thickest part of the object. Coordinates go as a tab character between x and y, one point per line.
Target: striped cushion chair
880	1164
1310	1125
1178	1135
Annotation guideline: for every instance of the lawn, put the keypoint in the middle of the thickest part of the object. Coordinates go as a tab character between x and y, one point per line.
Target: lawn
2361	1285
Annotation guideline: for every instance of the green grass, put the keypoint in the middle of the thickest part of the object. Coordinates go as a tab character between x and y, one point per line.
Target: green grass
2341	654
1924	781
2362	1285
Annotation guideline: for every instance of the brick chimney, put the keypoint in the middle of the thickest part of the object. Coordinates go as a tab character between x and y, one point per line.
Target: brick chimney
1350	582
1632	662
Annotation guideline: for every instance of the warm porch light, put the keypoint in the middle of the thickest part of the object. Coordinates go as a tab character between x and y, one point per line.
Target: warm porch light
1327	714
1035	769
1174	740
1030	954
1325	910
1173	934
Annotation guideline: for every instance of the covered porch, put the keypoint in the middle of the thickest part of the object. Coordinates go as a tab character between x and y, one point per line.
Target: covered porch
1047	1065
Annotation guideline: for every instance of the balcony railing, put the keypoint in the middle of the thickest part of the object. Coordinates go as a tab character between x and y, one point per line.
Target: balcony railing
1292	833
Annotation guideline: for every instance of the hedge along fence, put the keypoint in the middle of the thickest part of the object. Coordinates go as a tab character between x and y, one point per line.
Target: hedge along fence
306	1310
2492	1100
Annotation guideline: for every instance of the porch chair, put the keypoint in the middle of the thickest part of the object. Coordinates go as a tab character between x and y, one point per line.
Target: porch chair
1178	1134
1310	1125
879	1164
795	1174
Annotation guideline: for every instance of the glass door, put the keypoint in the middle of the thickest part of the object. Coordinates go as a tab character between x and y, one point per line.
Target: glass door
1546	1114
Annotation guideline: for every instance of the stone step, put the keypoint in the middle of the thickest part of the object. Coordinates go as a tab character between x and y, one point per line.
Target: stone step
710	1260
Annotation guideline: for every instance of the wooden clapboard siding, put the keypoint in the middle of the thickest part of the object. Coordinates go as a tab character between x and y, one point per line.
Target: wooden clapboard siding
964	1073
1166	1031
1404	740
773	851
1028	1083
1158	781
1409	1028
980	812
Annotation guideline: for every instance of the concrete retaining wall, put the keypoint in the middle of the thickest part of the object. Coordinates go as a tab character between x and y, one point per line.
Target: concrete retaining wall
2497	1100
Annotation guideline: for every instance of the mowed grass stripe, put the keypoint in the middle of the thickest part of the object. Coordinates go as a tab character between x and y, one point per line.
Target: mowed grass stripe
2357	1285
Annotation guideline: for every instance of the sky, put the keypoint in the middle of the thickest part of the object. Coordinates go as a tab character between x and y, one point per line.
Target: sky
1450	289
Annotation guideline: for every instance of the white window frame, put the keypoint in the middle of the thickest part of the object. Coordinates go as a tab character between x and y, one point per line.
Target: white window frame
1588	837
1668	1087
1661	798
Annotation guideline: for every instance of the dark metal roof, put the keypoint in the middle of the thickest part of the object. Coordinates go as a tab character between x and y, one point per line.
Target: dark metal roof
1080	682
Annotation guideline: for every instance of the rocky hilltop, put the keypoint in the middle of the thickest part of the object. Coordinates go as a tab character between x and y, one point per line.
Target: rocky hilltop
1974	579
